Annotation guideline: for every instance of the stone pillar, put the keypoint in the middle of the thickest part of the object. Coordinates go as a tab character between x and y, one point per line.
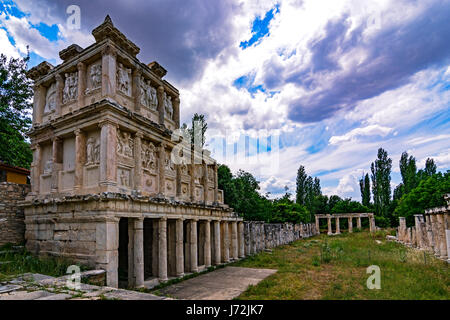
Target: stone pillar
358	223
137	161
241	239
317	224
136	91
350	225
80	158
401	228
161	111
442	236
162	235
179	248
418	229
139	252
329	225
371	223
338	227
217	241
179	193
435	231
225	243
205	183
216	184
109	71
38	104
207	247
106	250
59	94
81	83
234	241
176	112
131	271
429	233
162	169
36	169
194	253
108	157
57	154
192	183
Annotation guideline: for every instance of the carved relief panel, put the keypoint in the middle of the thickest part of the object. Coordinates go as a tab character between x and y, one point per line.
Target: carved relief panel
91	168
70	91
168	106
124	79
149	98
125	144
169	165
94	77
149	158
50	99
92	151
124	177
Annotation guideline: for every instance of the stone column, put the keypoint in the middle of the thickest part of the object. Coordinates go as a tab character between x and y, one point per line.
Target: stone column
176	112
81	83
59	94
358	222
216	184
207	247
372	223
225	243
234	240
317	224
136	91
217	241
108	157
38	103
179	193
80	158
401	228
106	250
205	182
36	169
162	169
329	225
57	154
162	267
192	183
131	271
338	227
161	111
418	226
442	236
194	253
429	232
241	240
435	231
350	225
179	248
109	71
139	252
137	161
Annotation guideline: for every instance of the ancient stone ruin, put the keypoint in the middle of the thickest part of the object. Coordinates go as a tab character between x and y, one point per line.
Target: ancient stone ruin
430	232
349	217
113	184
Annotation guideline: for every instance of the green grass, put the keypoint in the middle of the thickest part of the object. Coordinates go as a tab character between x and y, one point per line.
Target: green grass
22	261
335	268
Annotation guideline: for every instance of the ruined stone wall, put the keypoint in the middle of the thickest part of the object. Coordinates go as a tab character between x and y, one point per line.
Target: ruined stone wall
259	236
12	225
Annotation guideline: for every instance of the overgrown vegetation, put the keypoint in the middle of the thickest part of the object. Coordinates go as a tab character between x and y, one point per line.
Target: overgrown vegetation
335	268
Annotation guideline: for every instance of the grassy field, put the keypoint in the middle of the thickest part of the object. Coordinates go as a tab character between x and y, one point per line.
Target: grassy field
327	267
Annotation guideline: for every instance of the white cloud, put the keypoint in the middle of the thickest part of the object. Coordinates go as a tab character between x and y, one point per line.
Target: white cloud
7	48
372	130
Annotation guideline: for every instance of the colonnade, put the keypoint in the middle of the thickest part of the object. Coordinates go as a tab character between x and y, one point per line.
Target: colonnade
349	217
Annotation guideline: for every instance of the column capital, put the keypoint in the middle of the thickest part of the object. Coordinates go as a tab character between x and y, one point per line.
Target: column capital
59	78
78	132
139	135
110	122
137	72
81	66
109	50
56	139
163	219
160	89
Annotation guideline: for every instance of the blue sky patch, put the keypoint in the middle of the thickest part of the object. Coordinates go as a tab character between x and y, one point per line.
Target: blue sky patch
50	32
260	27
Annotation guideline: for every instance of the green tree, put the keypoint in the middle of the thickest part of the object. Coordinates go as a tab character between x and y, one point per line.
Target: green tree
381	183
408	170
364	186
301	185
15	107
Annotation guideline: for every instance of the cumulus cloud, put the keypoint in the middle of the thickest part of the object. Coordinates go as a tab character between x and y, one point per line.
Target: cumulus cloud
372	130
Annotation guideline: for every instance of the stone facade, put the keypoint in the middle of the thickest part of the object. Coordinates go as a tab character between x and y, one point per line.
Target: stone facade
430	232
259	236
12	226
113	184
349	217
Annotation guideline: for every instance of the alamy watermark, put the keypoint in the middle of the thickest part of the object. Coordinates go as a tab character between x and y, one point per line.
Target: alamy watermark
374	281
74	280
74	18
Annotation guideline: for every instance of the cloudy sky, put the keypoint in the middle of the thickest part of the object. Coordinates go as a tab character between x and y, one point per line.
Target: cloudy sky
282	83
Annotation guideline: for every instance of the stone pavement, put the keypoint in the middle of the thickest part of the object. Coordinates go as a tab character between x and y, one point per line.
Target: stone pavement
41	287
222	284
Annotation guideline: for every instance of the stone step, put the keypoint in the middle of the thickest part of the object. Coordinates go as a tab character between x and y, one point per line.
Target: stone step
59	296
24	295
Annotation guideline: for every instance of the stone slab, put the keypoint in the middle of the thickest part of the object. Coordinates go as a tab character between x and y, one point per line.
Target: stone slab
24	295
222	284
60	296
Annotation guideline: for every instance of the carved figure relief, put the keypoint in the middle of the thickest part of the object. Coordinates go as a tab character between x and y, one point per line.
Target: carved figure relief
123	79
210	174
124	176
48	167
184	169
125	144
149	97
168	107
92	151
95	77
198	174
148	156
50	99
70	92
168	162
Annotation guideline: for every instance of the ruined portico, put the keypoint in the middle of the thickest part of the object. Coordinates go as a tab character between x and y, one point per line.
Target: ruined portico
349	217
113	186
